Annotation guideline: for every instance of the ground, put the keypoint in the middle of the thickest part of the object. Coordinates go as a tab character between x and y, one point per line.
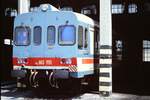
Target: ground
10	92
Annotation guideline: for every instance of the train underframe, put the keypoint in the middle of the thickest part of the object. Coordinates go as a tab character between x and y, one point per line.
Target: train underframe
34	78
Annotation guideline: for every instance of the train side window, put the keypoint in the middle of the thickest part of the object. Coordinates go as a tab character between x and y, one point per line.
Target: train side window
22	36
66	35
80	37
37	35
51	35
85	38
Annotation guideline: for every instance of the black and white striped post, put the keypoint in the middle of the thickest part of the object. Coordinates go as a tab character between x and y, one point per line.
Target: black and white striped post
105	70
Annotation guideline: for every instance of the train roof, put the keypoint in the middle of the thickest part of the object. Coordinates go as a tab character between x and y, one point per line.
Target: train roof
50	11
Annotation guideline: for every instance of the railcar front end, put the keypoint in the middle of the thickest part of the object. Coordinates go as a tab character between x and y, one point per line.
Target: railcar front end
52	45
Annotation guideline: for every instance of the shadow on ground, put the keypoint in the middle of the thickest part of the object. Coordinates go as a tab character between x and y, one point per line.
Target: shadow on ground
40	93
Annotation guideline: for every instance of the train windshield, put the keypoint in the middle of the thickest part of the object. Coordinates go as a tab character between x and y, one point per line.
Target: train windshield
22	37
66	35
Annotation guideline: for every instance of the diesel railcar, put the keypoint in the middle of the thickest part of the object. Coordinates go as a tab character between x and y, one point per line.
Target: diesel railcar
53	45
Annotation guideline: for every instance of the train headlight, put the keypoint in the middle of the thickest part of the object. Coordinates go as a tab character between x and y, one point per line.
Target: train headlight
66	61
44	7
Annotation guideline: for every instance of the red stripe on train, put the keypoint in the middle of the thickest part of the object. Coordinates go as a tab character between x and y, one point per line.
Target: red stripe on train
87	61
43	61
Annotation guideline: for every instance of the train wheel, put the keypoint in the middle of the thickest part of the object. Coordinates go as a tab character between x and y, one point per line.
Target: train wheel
53	82
32	79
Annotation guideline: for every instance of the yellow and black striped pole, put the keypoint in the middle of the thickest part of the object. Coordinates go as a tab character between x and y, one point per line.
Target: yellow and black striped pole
105	70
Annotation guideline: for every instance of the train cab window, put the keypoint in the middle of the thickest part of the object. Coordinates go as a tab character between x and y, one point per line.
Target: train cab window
82	38
37	35
51	35
22	36
66	35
